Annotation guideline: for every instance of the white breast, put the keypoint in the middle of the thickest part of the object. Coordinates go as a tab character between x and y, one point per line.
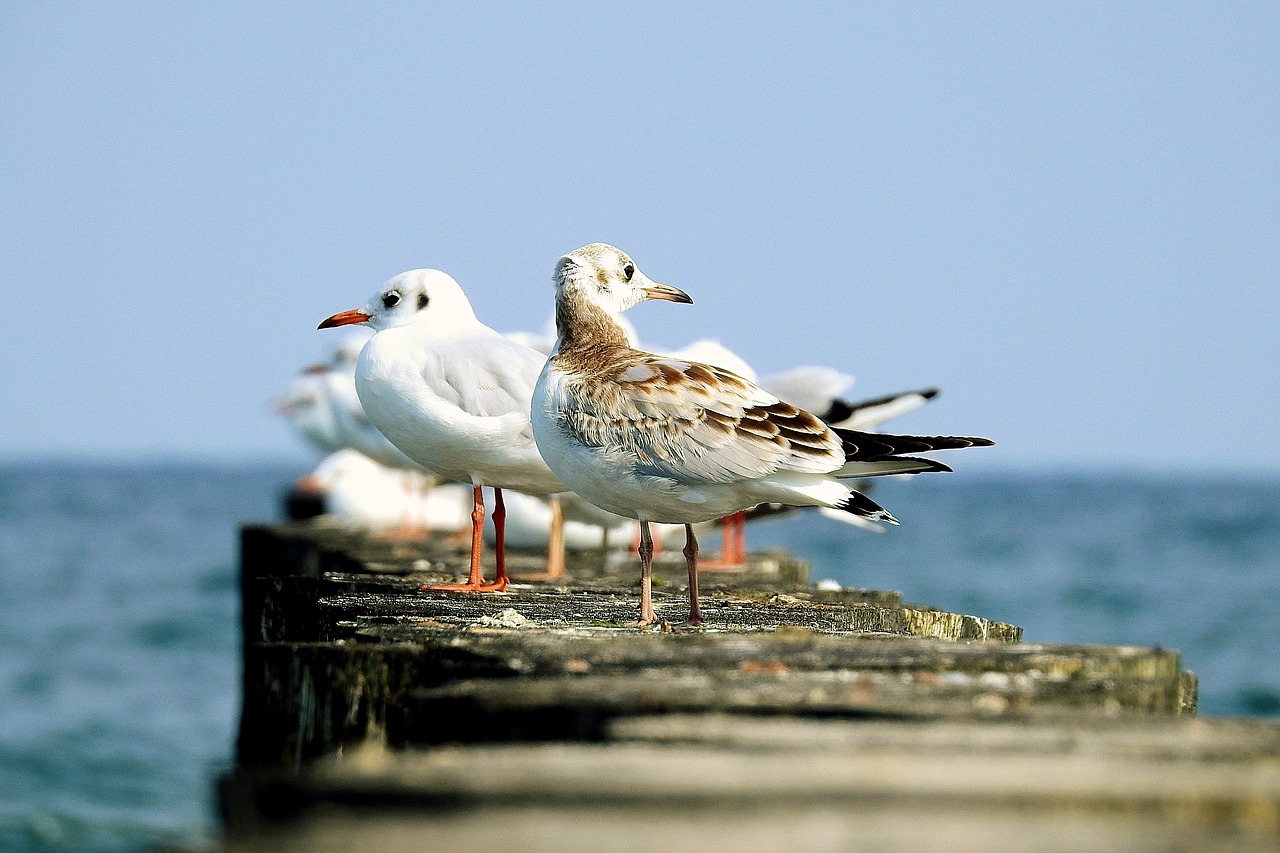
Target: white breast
422	407
608	477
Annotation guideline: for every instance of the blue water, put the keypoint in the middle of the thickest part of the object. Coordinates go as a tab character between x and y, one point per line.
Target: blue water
118	614
119	650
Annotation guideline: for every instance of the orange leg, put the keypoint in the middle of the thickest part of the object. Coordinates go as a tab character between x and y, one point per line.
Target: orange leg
733	553
740	536
407	524
555	545
475	579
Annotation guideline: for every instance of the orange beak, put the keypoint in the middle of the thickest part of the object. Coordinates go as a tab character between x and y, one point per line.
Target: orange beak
668	293
345	318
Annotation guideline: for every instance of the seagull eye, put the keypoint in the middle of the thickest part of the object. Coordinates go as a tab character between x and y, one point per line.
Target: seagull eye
628	271
422	301
390	299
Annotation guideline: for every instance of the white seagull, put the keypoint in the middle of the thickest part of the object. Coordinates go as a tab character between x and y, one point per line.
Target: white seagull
353	423
814	388
664	440
324	408
453	395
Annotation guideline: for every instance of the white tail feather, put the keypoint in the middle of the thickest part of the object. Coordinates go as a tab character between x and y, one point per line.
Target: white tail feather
872	416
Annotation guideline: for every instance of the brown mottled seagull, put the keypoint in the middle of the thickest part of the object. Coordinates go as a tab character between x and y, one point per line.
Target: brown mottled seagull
665	440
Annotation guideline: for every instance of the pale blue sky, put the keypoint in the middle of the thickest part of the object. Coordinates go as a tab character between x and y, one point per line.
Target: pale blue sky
1064	215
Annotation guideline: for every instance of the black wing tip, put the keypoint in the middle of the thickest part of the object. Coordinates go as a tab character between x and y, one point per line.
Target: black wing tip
860	505
958	442
841	410
871	446
952	442
838	411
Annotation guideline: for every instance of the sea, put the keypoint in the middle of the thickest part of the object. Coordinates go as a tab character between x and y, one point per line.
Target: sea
119	658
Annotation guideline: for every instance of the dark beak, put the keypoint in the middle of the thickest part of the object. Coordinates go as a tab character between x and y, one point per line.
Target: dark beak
668	293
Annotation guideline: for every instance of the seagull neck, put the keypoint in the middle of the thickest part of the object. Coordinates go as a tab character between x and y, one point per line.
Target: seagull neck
419	334
582	324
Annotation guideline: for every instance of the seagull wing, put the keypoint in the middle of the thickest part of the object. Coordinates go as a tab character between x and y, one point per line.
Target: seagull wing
695	422
486	377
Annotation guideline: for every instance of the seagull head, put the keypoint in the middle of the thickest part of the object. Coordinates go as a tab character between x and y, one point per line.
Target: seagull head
416	296
607	277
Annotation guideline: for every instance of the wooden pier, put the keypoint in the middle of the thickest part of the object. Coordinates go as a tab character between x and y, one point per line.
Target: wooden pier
378	716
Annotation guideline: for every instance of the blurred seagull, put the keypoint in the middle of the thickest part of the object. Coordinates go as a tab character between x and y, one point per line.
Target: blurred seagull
664	440
817	389
324	408
453	395
361	492
307	406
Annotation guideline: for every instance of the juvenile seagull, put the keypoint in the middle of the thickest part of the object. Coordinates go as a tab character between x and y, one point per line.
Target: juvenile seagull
453	395
814	388
664	440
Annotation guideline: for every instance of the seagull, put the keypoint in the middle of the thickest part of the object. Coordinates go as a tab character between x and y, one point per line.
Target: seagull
660	439
324	408
453	395
816	388
353	423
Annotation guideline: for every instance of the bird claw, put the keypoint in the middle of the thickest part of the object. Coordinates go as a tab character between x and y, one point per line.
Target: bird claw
499	586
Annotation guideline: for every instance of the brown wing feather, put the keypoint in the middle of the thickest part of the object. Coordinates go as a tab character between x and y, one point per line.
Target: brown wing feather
695	422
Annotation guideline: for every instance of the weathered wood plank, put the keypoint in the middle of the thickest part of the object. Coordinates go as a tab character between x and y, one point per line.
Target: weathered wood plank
722	782
375	712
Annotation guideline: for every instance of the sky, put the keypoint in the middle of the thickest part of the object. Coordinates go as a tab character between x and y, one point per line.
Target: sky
1065	216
